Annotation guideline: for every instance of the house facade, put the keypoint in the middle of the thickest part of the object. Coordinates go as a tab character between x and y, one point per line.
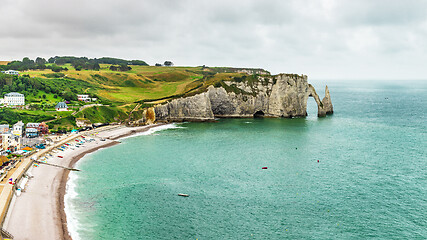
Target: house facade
14	99
31	132
32	129
10	142
10	72
61	106
84	98
4	128
18	128
43	128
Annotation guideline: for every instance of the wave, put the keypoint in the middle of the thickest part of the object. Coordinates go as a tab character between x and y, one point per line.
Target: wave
70	210
74	223
153	130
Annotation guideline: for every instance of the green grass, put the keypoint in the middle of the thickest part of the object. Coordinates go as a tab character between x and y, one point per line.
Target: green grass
102	114
143	84
11	116
38	98
67	123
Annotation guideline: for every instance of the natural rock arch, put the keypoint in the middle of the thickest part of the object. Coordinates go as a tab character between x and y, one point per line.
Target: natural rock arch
324	107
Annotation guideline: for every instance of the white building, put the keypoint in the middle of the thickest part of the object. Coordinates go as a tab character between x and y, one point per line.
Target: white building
10	142
18	128
61	106
4	128
14	99
10	72
84	98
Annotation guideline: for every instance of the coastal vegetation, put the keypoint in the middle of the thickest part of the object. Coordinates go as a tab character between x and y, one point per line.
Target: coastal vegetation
118	85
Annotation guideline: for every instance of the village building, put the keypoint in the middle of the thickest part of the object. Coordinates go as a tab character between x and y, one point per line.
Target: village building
10	142
84	98
32	129
4	128
18	128
61	106
43	128
10	72
32	125
31	132
35	129
14	99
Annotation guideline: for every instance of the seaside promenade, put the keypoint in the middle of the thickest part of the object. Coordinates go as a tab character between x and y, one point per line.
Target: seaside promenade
43	200
7	188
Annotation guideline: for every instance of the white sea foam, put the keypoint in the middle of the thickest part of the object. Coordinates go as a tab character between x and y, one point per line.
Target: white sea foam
153	130
70	210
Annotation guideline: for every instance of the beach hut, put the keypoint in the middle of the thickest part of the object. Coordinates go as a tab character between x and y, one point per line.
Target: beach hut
3	159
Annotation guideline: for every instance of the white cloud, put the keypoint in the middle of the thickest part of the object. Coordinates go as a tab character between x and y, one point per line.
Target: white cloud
340	39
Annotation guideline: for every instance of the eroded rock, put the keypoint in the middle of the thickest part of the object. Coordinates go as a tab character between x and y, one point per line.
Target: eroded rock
283	95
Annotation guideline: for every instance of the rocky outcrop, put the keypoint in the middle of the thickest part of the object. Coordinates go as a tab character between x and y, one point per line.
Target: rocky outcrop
283	95
327	102
195	108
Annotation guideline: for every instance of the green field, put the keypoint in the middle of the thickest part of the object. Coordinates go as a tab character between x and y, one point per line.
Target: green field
140	83
118	91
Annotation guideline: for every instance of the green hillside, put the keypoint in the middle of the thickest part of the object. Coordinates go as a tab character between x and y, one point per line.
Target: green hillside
118	88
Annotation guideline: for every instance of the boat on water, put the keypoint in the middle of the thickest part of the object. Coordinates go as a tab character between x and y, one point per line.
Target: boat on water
183	195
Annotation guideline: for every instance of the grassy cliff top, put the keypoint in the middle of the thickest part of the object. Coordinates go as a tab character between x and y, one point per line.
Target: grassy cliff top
123	94
141	83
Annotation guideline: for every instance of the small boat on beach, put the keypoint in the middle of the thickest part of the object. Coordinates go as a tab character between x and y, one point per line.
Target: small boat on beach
183	195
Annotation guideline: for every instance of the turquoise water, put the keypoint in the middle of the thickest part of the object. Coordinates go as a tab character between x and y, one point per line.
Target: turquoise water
370	181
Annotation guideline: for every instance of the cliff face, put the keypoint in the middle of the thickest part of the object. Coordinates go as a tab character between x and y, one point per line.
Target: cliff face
283	95
195	108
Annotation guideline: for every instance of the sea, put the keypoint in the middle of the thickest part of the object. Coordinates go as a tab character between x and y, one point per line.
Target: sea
360	173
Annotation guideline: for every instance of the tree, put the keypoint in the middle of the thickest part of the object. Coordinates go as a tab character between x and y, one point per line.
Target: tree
40	61
168	63
96	67
124	68
27	61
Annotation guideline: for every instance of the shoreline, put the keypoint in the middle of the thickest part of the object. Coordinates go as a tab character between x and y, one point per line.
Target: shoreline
62	189
43	200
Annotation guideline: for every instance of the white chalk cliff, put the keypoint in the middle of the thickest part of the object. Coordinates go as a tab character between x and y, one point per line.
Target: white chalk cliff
283	95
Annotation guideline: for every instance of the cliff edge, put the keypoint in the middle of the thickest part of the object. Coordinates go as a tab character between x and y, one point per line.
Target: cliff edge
283	95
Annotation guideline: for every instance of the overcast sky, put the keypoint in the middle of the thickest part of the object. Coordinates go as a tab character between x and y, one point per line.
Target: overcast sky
325	39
